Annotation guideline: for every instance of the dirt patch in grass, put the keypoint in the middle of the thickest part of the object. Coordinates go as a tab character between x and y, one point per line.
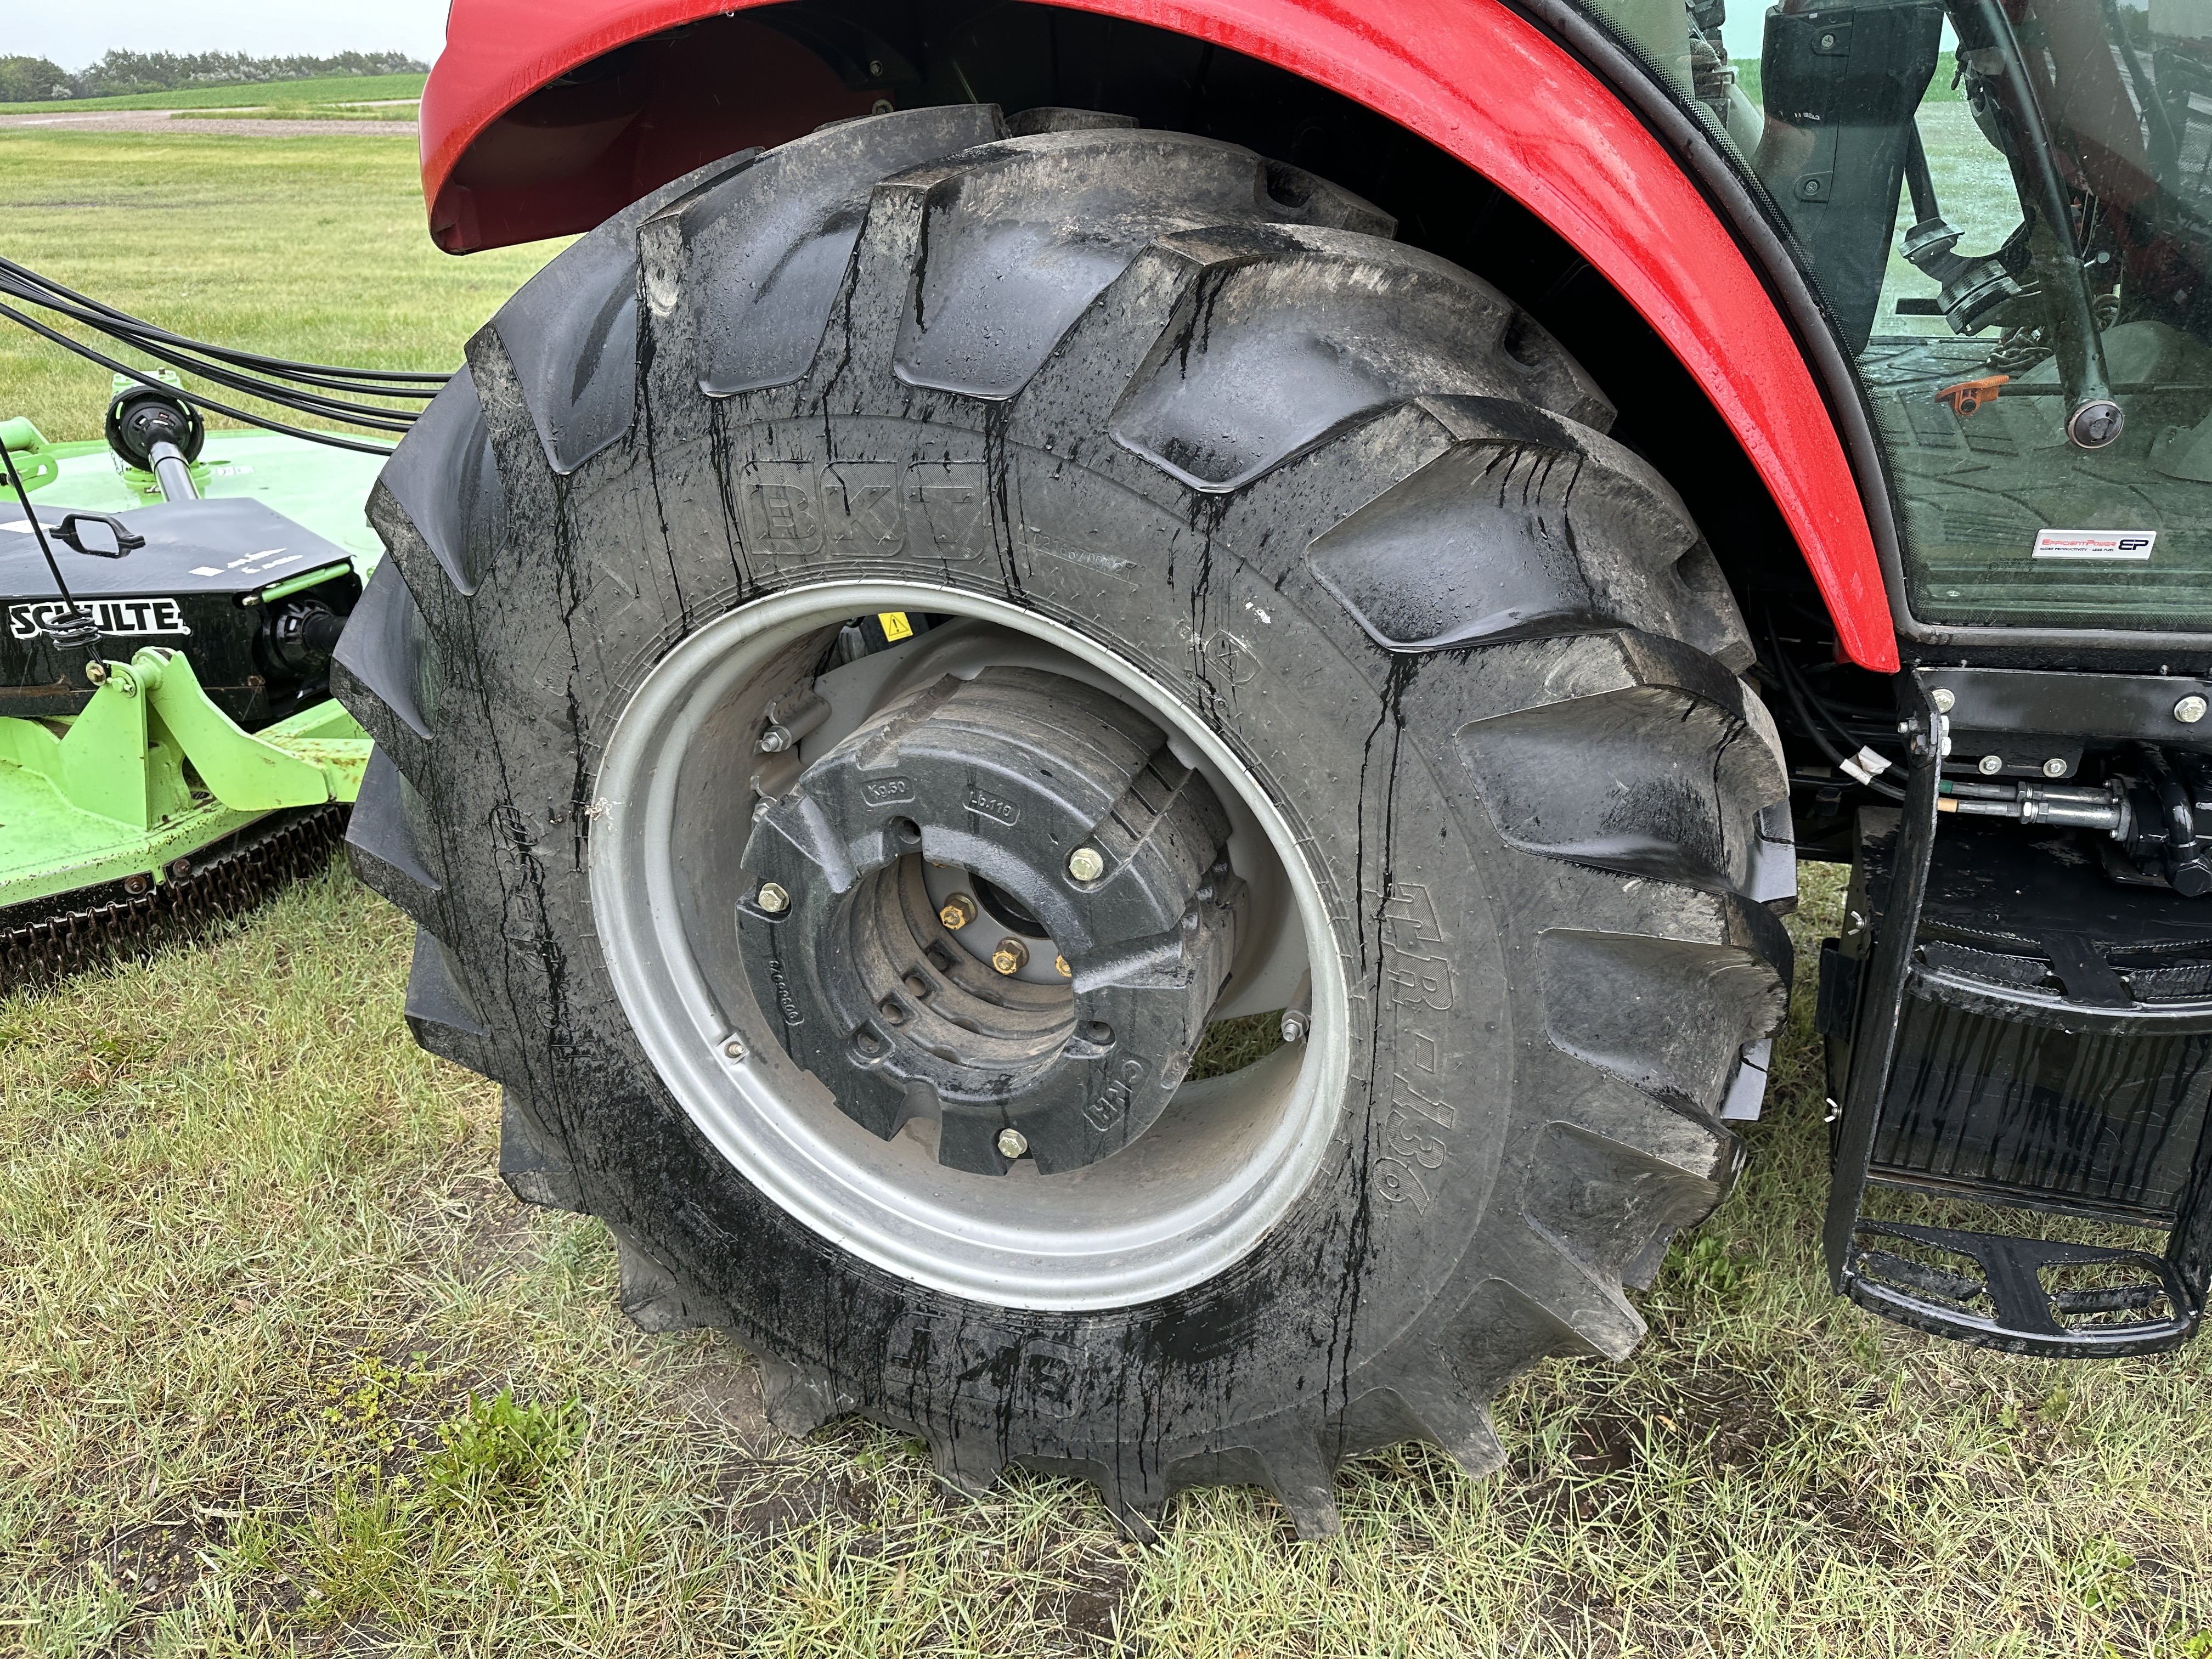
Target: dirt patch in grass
725	1398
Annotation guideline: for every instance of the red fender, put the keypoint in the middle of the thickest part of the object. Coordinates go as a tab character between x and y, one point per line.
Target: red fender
1468	76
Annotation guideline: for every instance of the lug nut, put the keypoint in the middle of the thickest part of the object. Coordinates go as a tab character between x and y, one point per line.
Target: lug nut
2189	709
1992	764
772	898
1086	864
1059	966
1295	1021
1011	957
1012	1143
958	912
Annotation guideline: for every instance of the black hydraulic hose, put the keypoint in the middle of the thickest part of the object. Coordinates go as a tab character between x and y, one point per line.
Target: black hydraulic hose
2093	419
1917	179
1806	724
186	352
197	359
1804	697
304	403
243	359
78	626
304	389
143	378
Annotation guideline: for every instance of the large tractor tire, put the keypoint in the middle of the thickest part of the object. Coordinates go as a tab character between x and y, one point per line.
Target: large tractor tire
1115	534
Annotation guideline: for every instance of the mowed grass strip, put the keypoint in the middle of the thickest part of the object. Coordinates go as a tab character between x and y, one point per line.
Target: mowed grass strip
311	248
399	112
287	1371
287	1365
316	89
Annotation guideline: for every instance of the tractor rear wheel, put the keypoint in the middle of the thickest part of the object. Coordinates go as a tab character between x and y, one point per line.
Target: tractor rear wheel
894	636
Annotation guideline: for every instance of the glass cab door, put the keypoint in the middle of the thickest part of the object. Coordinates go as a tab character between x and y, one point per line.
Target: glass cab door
2006	205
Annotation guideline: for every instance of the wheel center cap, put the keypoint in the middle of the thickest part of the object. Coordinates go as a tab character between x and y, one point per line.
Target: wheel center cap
1005	906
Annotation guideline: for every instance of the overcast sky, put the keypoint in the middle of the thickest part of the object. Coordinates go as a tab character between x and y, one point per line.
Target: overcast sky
76	32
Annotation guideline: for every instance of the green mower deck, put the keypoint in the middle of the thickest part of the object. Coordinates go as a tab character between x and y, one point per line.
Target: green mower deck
150	811
151	772
321	487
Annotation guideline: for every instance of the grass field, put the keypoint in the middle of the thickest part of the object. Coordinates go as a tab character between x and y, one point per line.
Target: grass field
286	1370
305	112
309	247
257	1264
1940	89
322	89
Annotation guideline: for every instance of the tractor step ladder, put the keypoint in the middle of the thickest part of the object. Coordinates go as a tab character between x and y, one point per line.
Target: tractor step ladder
1986	1288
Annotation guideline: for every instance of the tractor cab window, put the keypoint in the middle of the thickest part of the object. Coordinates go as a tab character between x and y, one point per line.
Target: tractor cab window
2007	205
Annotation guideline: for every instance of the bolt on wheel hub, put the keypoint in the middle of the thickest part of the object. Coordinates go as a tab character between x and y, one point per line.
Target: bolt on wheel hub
1086	868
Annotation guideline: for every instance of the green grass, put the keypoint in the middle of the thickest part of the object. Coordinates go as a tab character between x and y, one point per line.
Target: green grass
289	1371
1940	90
310	248
284	1369
322	89
1974	185
305	112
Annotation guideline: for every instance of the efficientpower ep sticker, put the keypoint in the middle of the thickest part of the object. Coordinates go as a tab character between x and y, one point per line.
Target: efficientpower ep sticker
122	618
2094	544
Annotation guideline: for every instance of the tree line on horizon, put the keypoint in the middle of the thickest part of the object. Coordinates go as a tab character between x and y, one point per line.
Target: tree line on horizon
121	73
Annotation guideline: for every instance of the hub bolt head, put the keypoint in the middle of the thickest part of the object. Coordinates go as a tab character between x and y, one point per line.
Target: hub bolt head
2189	709
1086	864
1059	966
1011	957
958	912
1012	1143
772	898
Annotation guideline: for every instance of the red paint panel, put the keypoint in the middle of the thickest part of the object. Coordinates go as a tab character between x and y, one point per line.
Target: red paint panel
555	160
1474	79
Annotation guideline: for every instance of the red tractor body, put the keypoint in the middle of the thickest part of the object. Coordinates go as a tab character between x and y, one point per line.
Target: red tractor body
1023	539
510	154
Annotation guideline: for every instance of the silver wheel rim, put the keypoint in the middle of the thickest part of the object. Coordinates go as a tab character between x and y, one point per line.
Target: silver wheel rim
1189	1198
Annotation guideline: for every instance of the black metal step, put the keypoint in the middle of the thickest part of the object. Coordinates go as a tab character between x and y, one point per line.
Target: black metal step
2004	1303
1993	1038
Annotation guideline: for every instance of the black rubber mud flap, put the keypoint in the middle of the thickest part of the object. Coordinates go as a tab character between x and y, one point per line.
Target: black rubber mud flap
1341	501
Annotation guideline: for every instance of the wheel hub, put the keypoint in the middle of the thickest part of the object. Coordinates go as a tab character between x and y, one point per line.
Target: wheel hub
986	803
